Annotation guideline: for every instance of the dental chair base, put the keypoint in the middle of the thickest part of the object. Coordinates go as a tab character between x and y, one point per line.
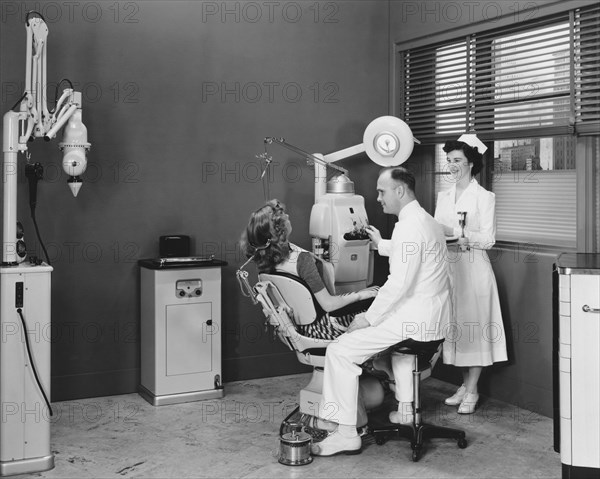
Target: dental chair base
310	396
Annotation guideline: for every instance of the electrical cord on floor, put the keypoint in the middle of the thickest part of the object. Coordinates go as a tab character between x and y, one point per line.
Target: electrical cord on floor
33	368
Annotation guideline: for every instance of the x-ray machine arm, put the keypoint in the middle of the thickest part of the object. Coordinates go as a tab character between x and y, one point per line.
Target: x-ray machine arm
34	120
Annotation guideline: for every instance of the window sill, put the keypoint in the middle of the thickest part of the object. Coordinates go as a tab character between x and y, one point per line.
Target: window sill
532	248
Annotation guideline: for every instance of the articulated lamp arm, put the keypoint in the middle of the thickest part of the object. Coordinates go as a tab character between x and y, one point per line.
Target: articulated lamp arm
46	124
387	140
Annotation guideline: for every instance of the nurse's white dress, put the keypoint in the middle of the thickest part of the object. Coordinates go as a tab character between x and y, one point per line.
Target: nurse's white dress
475	335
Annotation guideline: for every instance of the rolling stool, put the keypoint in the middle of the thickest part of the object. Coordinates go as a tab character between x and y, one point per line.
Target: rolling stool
382	430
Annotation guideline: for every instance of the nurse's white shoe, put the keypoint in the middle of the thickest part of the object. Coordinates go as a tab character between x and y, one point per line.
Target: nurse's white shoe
335	443
468	404
457	398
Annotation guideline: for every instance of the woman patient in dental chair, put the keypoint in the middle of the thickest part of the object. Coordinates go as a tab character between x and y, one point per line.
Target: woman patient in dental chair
266	239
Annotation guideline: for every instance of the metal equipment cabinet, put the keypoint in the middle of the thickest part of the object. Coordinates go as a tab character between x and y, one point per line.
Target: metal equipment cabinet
180	331
577	365
26	417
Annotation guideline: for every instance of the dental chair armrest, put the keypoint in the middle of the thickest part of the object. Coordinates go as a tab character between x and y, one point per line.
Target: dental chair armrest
303	344
352	308
312	357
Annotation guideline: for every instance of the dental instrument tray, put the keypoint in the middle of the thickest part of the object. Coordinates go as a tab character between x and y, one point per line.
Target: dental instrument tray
182	262
186	260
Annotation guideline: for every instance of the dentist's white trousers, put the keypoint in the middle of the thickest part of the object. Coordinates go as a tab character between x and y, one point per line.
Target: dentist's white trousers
341	372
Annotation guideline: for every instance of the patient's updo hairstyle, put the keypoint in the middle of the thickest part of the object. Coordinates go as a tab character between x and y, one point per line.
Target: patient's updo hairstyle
471	153
266	236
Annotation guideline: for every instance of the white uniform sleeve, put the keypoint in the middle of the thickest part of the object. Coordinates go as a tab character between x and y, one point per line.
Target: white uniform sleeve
404	266
441	214
384	247
438	208
486	236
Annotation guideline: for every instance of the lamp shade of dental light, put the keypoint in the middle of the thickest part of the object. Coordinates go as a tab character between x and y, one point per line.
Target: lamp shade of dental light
73	146
388	141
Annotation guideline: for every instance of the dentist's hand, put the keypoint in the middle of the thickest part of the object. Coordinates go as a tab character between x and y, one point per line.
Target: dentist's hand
359	322
374	234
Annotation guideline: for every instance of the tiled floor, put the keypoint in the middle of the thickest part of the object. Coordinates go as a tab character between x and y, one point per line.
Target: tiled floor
238	437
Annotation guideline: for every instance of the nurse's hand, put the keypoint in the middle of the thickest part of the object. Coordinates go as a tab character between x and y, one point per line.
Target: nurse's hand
448	230
373	233
359	322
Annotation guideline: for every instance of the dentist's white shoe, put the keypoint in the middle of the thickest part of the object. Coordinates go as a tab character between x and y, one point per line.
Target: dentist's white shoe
404	415
335	443
397	417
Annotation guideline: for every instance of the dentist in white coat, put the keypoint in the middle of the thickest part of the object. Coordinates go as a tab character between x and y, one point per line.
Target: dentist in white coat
412	303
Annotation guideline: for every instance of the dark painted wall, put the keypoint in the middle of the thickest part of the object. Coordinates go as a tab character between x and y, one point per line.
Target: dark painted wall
178	96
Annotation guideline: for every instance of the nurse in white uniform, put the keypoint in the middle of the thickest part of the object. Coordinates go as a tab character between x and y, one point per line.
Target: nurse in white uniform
475	337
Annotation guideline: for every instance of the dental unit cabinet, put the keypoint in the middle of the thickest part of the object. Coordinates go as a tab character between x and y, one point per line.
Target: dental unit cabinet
337	222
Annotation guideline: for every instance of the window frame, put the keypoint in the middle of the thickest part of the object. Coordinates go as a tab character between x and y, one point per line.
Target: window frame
587	155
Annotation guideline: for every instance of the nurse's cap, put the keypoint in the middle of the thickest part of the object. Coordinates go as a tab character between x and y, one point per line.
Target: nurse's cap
472	140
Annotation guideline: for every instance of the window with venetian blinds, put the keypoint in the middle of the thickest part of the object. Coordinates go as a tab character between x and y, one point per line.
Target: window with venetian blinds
530	85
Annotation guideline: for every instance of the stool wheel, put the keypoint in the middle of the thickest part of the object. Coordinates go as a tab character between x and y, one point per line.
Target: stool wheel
416	454
462	443
380	439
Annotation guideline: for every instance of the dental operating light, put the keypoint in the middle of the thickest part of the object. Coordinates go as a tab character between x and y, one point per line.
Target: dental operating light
387	140
338	217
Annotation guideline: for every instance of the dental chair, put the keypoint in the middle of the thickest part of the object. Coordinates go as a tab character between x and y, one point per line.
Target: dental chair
287	301
299	307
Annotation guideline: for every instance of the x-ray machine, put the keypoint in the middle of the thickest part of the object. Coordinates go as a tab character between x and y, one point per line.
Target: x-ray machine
25	286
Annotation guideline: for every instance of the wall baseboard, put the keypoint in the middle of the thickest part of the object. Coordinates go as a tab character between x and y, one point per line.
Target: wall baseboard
97	384
126	381
254	367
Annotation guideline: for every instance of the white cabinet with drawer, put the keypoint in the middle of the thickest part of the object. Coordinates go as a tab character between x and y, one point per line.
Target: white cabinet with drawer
579	363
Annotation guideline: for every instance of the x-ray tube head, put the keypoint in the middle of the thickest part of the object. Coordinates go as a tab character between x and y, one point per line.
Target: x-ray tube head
74	145
74	183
